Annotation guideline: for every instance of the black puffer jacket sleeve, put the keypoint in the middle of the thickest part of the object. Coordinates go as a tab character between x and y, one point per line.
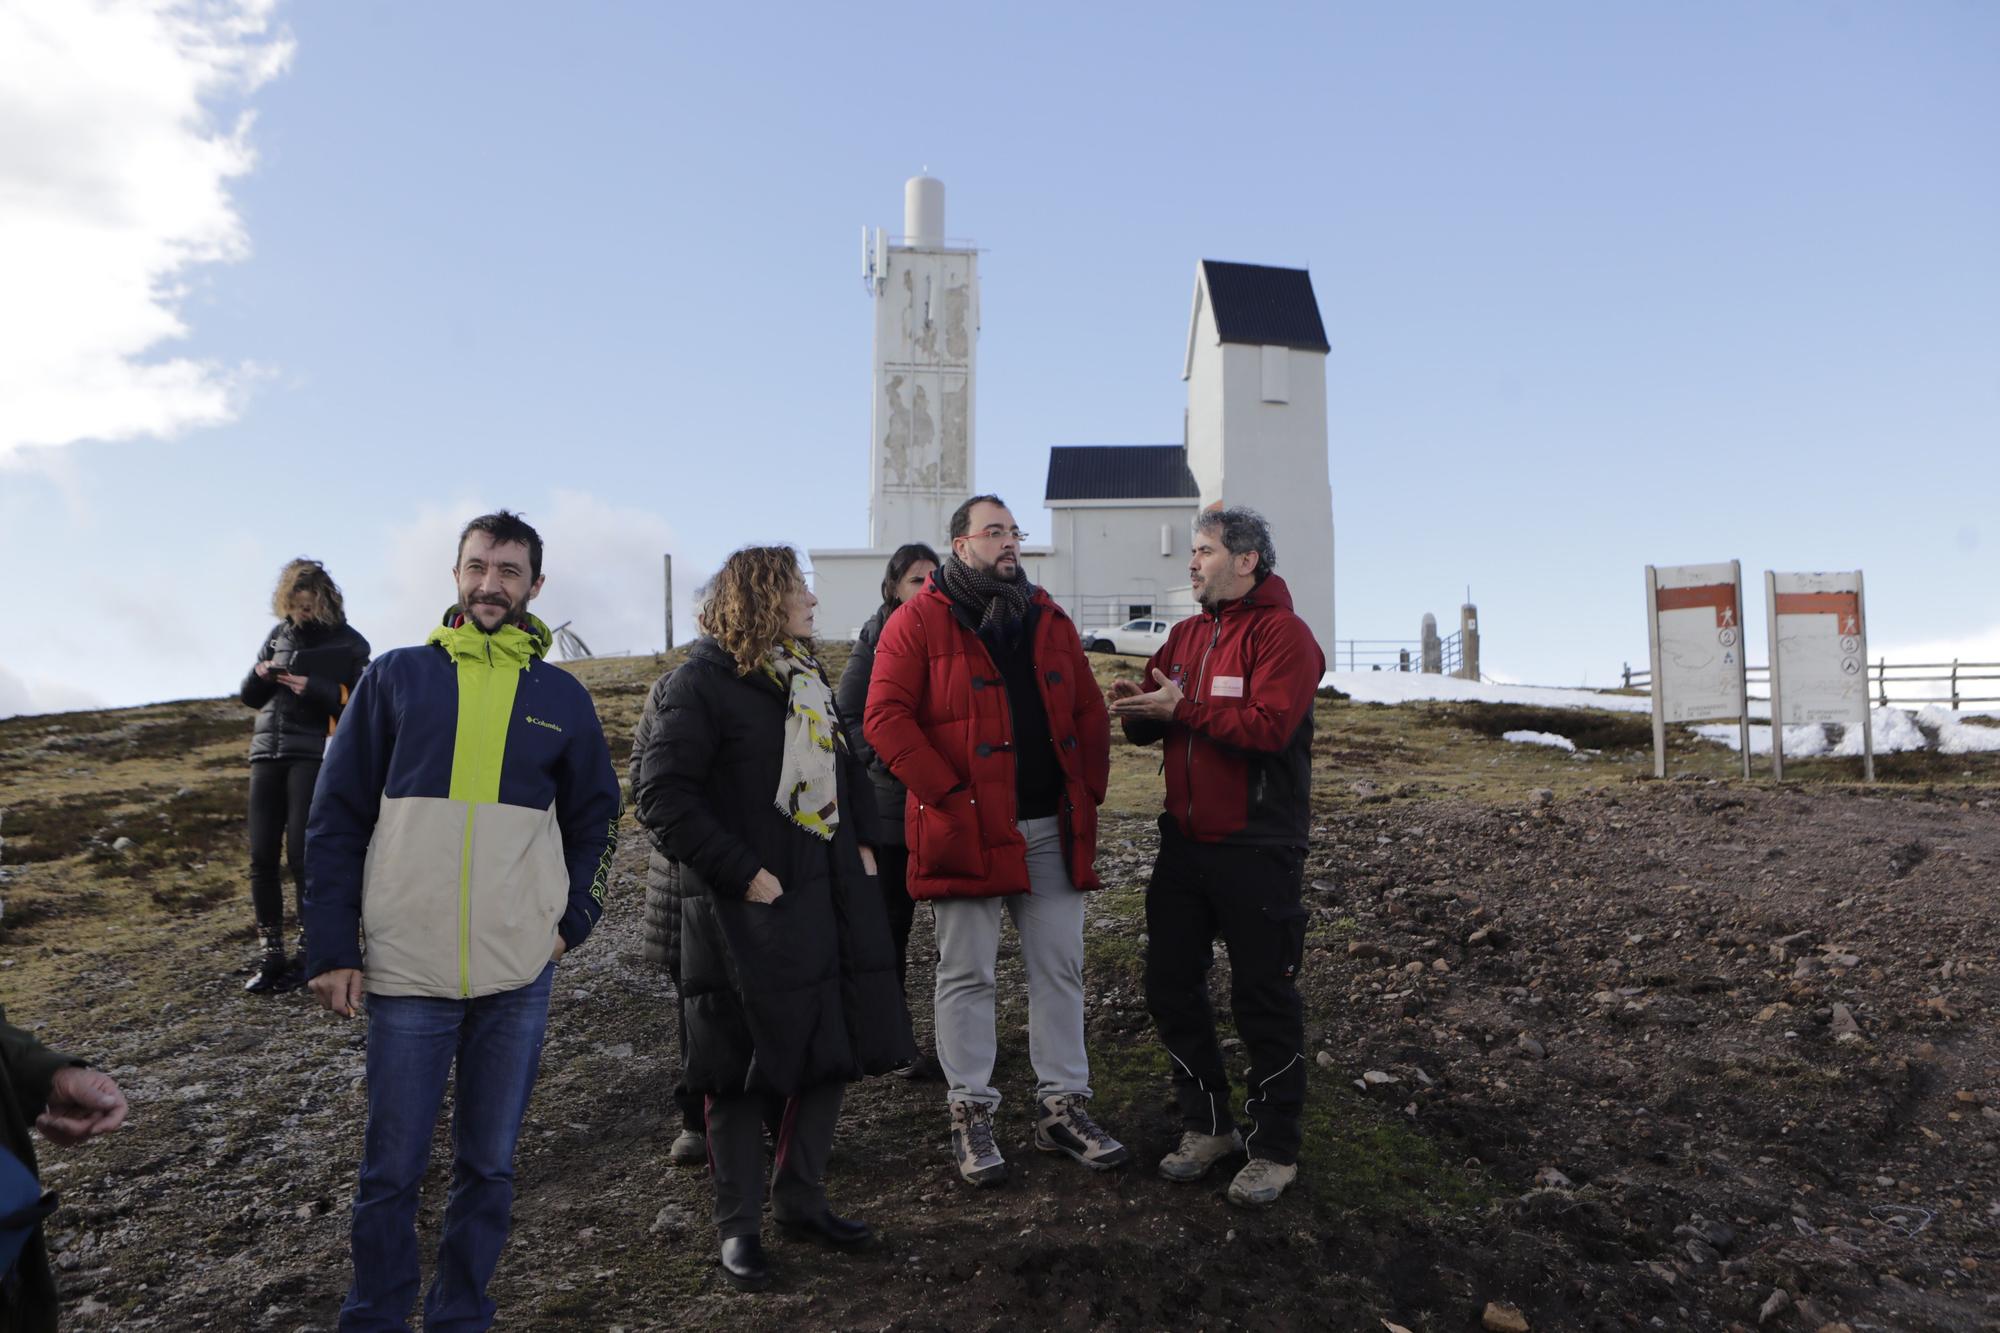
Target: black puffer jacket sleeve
852	696
676	777
257	690
858	806
642	740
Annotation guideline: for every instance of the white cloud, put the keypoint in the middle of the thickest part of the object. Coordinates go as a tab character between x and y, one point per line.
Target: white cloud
601	560
20	694
114	175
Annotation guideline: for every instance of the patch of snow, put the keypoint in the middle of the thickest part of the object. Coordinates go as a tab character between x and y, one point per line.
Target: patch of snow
1957	736
1896	730
1548	738
1402	687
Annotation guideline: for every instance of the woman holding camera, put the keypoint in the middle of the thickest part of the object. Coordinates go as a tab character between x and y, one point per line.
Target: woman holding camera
307	667
786	978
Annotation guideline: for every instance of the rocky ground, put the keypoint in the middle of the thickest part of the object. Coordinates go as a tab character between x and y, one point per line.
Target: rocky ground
1591	1052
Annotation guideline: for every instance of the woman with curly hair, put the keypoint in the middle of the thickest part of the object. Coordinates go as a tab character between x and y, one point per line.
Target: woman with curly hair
304	672
787	979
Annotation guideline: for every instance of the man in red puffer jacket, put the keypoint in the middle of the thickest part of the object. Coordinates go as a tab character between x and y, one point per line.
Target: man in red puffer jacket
983	705
1231	694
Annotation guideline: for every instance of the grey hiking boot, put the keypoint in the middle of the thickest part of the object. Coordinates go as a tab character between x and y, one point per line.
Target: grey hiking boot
689	1146
972	1146
1260	1182
1065	1126
1198	1152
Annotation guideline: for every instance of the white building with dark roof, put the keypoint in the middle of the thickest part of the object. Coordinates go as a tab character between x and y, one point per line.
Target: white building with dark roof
1122	514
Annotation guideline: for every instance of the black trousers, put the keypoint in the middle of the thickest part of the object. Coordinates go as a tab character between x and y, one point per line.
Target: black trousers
892	865
281	792
801	1129
1249	896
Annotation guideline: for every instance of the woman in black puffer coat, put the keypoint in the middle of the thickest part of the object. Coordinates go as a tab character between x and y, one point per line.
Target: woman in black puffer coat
660	932
909	569
307	667
787	979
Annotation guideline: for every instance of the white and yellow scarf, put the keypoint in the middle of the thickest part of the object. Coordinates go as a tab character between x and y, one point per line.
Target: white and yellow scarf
807	784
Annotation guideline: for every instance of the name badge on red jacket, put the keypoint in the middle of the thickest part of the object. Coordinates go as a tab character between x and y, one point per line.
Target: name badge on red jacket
1226	687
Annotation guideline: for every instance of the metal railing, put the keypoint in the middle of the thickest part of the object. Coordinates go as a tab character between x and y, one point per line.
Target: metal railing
1110	610
1394	654
1883	676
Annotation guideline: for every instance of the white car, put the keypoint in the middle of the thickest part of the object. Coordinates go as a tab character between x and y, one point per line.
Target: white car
1135	638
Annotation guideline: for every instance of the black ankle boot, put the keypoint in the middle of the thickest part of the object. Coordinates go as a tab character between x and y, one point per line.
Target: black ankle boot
275	972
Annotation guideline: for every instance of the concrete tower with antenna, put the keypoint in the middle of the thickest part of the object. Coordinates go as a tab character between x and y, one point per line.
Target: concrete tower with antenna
925	289
926	295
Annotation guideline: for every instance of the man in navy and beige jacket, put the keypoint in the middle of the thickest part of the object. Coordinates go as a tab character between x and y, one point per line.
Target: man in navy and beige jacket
464	824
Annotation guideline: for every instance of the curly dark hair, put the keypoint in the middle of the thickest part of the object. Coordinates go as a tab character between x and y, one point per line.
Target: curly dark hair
743	606
1243	530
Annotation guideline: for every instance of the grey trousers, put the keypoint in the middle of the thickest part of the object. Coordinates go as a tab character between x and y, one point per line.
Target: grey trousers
1049	921
798	1165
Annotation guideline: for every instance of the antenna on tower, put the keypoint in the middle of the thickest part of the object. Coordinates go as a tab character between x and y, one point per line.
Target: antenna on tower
874	263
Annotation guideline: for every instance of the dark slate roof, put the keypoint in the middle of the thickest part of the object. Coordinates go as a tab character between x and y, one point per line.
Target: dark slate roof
1272	307
1120	472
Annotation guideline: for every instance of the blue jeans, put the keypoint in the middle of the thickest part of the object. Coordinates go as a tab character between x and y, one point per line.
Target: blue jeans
413	1041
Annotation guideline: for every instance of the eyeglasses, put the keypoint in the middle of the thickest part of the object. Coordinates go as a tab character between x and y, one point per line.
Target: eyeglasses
994	531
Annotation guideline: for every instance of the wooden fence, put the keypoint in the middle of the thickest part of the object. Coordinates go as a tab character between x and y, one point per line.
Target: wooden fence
1885	676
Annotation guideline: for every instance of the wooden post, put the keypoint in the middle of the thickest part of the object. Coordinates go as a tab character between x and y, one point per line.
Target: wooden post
669	562
1881	676
1954	684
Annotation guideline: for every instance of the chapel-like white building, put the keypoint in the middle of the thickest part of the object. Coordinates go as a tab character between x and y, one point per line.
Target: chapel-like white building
1255	435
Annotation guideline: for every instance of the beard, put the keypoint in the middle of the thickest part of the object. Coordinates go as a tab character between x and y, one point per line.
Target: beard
505	603
1012	573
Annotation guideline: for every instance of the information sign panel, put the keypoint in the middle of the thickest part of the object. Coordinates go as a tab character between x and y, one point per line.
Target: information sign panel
1698	611
1819	655
1694	617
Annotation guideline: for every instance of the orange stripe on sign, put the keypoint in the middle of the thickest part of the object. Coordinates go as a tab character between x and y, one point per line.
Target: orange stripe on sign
1721	596
1846	605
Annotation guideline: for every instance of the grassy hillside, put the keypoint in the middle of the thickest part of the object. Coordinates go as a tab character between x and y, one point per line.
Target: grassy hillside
1565	1022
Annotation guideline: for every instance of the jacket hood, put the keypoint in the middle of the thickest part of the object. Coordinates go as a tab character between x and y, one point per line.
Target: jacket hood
539	638
1271	594
710	653
516	644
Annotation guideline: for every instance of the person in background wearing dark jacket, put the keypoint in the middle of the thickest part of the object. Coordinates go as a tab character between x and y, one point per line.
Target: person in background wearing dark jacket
789	988
910	568
662	940
983	703
465	824
308	666
69	1103
1231	694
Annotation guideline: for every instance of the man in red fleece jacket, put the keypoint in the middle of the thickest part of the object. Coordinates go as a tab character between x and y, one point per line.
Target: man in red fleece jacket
1231	694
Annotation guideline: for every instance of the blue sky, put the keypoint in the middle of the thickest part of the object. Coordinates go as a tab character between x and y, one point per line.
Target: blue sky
1606	285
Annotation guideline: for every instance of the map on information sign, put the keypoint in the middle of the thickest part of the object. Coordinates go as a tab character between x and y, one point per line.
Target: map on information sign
1700	628
1821	663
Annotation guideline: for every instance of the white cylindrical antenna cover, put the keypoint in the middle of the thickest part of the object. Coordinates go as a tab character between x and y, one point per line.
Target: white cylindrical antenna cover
923	211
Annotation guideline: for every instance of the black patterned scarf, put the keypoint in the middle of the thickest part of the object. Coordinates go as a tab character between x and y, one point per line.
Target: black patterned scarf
995	603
